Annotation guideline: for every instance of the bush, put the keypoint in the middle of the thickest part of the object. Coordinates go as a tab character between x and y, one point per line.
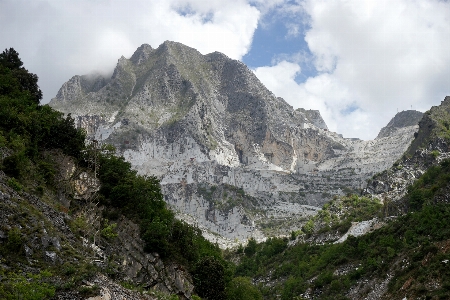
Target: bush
209	278
241	288
250	249
14	184
109	231
15	242
31	287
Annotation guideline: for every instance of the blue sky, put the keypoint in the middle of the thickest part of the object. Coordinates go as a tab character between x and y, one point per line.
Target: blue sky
357	61
272	42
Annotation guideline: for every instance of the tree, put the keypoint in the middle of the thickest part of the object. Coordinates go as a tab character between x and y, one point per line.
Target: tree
209	278
9	59
241	288
250	250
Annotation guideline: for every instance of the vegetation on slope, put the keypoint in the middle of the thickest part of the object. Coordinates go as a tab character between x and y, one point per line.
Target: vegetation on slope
140	198
32	138
434	125
412	251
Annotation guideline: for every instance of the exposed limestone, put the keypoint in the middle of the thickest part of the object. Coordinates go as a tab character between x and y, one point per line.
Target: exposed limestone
401	120
360	228
205	121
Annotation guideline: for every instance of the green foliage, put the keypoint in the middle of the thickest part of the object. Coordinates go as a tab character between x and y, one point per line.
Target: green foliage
109	230
435	153
29	287
338	214
12	182
416	238
210	278
428	186
78	225
309	226
241	288
16	165
19	78
14	243
163	296
89	291
140	198
75	274
29	129
250	249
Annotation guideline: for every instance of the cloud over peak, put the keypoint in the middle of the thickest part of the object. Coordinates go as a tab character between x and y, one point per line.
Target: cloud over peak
371	58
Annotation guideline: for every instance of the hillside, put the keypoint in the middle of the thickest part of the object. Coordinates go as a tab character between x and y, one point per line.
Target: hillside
392	243
401	120
232	157
77	222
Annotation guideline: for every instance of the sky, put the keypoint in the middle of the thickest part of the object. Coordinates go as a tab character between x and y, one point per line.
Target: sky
357	61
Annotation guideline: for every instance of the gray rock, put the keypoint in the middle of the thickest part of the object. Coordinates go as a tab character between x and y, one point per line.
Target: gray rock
207	127
45	241
28	251
400	120
50	256
56	243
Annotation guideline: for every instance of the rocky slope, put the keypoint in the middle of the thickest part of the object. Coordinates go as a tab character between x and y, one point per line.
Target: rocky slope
52	239
232	157
391	243
402	119
429	148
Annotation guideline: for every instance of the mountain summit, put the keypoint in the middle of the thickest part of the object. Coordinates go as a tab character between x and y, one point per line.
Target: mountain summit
400	120
232	157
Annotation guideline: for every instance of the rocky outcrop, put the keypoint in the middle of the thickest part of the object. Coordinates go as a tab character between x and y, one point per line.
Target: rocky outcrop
430	147
314	117
205	121
434	127
47	235
401	120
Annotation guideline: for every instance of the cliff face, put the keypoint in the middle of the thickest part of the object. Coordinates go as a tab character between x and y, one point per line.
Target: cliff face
429	147
402	119
232	157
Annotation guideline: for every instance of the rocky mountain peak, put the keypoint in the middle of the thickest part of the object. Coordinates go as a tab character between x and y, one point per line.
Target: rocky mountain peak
434	129
400	120
229	153
141	54
314	117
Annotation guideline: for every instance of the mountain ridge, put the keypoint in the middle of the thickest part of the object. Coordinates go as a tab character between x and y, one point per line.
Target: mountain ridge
195	119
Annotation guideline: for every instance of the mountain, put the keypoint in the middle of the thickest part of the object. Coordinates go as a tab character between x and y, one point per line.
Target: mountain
232	157
393	242
69	227
77	222
402	119
429	148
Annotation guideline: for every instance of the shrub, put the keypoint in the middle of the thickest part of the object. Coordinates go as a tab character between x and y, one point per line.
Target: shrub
241	288
209	278
109	231
13	183
15	242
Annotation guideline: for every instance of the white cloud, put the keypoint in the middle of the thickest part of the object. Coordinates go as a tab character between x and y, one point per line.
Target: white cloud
372	57
58	39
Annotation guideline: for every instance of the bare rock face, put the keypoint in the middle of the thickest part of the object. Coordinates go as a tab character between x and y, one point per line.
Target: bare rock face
429	147
314	118
402	119
232	157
